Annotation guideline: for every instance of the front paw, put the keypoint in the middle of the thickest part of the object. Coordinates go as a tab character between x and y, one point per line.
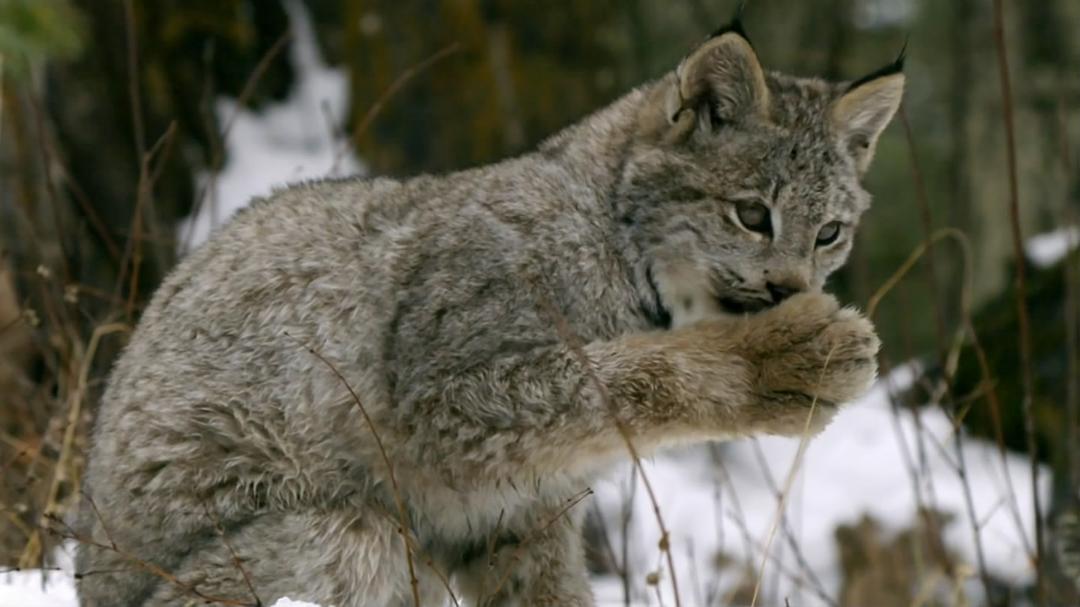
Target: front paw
810	349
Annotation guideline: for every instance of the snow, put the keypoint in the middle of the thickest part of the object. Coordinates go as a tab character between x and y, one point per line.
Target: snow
53	588
56	587
726	505
287	142
1045	250
719	501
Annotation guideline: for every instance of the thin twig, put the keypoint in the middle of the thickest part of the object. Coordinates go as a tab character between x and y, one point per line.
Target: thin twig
913	258
403	513
376	108
923	199
82	200
915	462
605	541
151	568
1	94
1071	270
804	440
515	556
426	559
783	569
1026	372
143	204
946	400
101	519
237	562
984	366
627	511
75	398
50	186
138	126
218	153
785	526
562	327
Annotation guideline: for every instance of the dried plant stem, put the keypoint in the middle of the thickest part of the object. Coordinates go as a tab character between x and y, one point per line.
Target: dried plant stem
969	504
624	521
133	80
143	206
928	228
1071	270
925	503
75	397
568	336
79	195
515	556
946	358
399	83
781	505
909	263
218	154
980	354
426	560
1072	397
144	190
606	546
151	568
1026	373
237	561
785	526
399	503
403	78
1	95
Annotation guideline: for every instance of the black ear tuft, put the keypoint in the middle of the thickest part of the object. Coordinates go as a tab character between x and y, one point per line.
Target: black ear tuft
896	67
902	57
735	26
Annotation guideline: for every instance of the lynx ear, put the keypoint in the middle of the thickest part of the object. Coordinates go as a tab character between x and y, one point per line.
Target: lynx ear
721	80
865	109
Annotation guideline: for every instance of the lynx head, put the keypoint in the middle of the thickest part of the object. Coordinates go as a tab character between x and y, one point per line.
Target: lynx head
743	186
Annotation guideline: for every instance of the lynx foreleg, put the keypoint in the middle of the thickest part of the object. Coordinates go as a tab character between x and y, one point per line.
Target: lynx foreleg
560	408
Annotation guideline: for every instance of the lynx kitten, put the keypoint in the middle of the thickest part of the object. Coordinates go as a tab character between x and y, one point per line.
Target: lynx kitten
681	236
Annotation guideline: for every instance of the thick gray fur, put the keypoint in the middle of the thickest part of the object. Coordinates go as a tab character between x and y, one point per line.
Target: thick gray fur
229	461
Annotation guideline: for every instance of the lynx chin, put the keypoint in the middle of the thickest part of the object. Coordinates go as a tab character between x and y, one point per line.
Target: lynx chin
660	262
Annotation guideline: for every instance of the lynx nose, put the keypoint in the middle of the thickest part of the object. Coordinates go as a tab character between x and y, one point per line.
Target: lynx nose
780	292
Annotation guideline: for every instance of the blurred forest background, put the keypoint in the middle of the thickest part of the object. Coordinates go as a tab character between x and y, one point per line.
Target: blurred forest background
109	127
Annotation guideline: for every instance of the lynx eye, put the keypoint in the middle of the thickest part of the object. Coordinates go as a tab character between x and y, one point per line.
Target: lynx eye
828	233
754	216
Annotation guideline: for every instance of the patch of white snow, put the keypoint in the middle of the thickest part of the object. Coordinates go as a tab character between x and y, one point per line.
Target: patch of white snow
1047	249
285	142
53	588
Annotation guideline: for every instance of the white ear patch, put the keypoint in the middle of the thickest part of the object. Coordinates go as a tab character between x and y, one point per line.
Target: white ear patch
685	293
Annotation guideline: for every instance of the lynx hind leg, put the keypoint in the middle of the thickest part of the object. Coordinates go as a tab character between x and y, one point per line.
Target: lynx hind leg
546	569
341	559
